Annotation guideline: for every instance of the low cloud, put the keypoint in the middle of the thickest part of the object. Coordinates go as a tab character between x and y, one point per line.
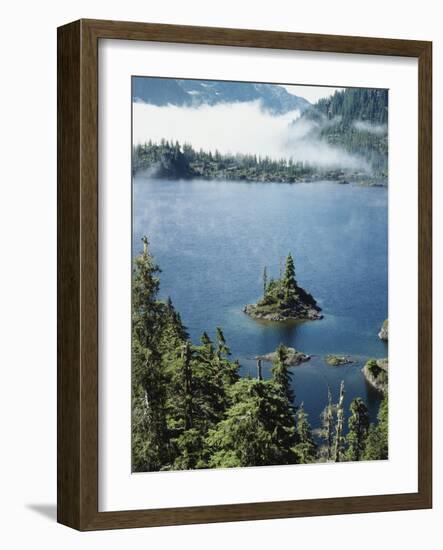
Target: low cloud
240	128
363	126
304	143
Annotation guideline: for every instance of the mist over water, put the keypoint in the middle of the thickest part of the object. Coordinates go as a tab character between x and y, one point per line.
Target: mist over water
212	240
243	128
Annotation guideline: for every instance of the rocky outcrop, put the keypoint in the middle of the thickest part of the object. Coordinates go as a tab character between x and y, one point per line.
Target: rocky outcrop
294	357
383	334
376	373
298	311
337	360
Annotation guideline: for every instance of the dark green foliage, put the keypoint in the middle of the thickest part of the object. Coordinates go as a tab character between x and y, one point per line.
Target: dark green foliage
173	161
355	119
366	104
189	451
377	440
306	448
191	410
358	429
258	429
289	281
281	374
283	296
150	435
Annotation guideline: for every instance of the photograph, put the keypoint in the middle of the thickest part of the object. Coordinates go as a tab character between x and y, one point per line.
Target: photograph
259	274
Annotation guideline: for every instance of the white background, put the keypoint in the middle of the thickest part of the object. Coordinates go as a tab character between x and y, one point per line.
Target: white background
28	246
118	489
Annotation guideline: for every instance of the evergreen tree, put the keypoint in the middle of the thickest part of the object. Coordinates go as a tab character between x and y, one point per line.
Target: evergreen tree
228	370
265	280
190	451
358	429
289	282
150	433
258	428
187	389
377	441
281	375
147	311
206	351
205	340
222	348
306	448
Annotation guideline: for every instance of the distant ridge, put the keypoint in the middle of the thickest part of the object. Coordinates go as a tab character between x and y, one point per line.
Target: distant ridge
193	93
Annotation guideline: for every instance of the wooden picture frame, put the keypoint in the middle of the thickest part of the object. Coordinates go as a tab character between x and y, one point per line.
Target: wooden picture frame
78	274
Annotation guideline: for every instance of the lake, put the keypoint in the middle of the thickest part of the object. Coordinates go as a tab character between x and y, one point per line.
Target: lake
212	240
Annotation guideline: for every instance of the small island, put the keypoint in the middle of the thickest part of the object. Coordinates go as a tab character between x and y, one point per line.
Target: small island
283	299
338	360
293	357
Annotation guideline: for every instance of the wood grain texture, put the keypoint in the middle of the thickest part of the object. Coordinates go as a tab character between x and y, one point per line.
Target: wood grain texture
77	174
425	274
68	276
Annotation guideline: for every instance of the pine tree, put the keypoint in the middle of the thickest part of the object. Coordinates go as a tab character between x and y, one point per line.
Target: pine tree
222	348
306	448
258	428
150	443
205	340
146	309
265	280
358	429
377	441
227	370
281	375
289	281
187	389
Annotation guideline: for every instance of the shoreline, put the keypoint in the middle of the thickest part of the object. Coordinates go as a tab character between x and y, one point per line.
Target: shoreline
351	181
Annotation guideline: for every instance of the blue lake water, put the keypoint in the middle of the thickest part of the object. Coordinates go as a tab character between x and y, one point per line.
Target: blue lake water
212	240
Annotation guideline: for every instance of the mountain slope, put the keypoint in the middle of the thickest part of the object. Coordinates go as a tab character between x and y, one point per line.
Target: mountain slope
354	119
193	93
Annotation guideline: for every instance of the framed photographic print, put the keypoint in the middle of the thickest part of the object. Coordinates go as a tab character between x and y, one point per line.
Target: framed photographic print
244	223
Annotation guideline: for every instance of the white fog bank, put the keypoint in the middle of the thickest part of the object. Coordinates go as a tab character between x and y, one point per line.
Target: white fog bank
242	128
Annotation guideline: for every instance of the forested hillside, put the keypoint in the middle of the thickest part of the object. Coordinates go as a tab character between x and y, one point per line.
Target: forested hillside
355	119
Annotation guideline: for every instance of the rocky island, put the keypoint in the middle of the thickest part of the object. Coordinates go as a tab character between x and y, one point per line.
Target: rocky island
338	360
292	358
376	373
283	299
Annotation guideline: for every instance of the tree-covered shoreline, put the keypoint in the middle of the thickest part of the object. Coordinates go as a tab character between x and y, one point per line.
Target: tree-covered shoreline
168	160
191	409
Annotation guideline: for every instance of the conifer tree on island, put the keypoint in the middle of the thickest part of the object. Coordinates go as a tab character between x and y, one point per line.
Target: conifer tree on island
283	299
